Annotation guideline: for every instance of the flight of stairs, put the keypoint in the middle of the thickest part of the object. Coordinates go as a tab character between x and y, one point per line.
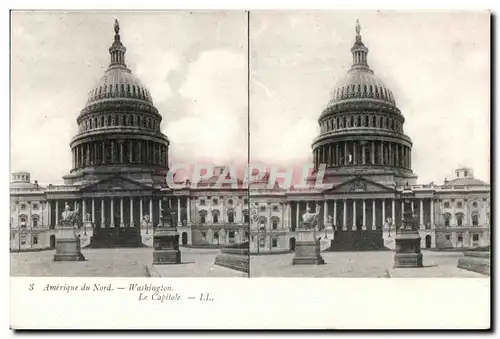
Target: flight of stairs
358	240
116	237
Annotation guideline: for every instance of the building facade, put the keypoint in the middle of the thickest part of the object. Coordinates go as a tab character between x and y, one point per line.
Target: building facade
368	162
120	159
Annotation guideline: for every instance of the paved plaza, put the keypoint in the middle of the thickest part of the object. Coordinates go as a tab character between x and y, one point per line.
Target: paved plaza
359	265
119	262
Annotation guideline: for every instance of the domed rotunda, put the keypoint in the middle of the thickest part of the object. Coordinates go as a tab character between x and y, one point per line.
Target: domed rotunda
119	129
361	129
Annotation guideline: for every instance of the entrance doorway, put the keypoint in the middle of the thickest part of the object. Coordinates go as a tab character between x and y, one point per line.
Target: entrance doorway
184	238
428	241
52	241
292	244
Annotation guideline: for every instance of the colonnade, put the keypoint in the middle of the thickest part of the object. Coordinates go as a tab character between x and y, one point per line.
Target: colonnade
120	151
359	152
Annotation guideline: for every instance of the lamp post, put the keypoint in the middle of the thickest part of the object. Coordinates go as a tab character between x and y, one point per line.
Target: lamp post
407	240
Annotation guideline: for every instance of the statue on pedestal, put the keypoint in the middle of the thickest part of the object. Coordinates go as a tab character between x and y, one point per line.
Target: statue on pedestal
310	220
68	245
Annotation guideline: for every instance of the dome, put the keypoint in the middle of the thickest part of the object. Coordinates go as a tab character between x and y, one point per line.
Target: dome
118	81
467	182
361	83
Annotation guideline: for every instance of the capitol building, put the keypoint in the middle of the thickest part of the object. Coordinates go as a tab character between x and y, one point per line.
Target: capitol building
120	161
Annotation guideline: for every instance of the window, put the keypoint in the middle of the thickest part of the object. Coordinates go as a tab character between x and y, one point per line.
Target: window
275	208
465	173
475	219
215	201
475	237
275	223
245	201
459	217
35	206
246	218
474	204
447	218
459	204
447	237
262	242
23	206
203	218
216	235
203	236
275	243
202	202
215	218
35	222
35	240
23	239
262	208
446	204
230	217
460	237
230	201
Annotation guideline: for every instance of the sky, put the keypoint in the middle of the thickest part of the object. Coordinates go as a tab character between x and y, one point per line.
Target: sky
436	64
195	66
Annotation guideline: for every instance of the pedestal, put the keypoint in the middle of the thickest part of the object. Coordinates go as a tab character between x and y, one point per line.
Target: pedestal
166	246
476	261
68	246
307	249
407	249
234	257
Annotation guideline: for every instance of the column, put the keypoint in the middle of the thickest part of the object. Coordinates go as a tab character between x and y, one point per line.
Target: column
364	214
93	211
325	212
381	155
188	203
297	220
49	207
122	224
432	213
140	211
402	210
130	153
393	210
57	213
397	156
112	217
334	212
104	155
84	210
178	211
102	213
466	212
422	214
374	220
159	209
131	223
354	228
363	154
373	153
344	216
383	212
151	210
346	160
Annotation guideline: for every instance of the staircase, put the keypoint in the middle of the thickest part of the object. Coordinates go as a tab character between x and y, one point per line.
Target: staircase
358	240
116	237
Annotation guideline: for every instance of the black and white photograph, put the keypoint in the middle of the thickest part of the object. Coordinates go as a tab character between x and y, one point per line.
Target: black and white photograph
156	154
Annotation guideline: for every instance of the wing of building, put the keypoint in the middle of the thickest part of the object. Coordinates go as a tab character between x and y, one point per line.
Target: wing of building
120	159
367	157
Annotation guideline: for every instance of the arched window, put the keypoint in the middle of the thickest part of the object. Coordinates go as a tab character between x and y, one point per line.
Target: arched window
275	221
447	218
22	220
34	220
460	218
203	217
215	216
475	219
262	223
246	217
230	216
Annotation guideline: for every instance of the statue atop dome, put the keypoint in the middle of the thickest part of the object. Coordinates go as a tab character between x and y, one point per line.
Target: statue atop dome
117	26
358	31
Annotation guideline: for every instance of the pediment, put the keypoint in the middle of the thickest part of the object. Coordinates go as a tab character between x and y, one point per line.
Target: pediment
360	185
116	183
